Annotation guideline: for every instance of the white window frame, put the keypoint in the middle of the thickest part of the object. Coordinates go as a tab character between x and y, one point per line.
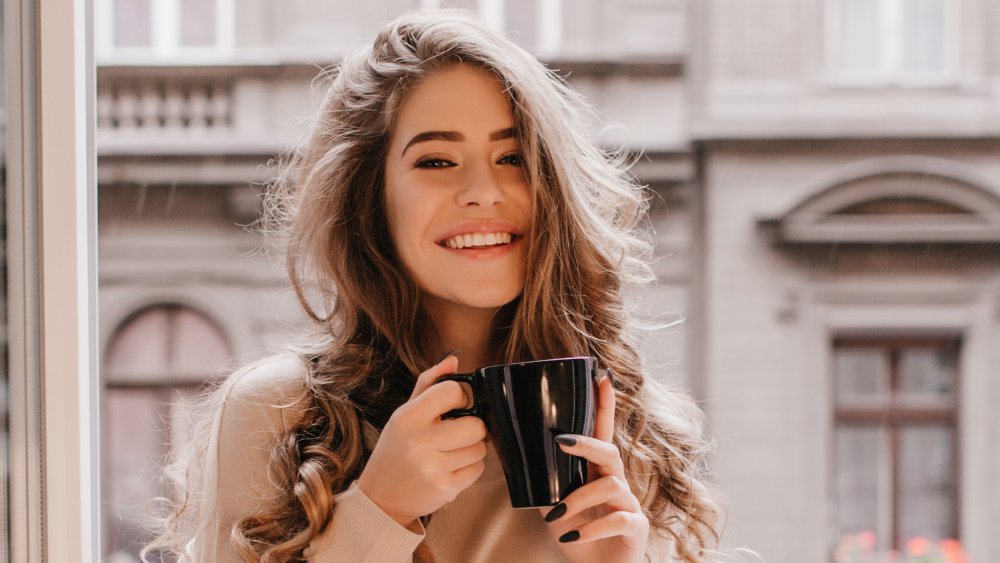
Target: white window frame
548	17
53	440
166	31
889	73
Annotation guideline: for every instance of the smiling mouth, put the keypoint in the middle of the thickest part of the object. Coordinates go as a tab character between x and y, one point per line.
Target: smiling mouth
478	240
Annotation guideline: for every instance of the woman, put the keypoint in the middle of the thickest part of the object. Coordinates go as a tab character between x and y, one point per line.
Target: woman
448	198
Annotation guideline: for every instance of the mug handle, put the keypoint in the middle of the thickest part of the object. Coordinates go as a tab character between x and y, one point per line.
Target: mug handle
470	380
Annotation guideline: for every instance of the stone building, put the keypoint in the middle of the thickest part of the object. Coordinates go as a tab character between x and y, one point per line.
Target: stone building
826	211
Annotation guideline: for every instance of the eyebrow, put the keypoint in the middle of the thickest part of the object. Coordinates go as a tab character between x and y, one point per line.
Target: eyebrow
454	136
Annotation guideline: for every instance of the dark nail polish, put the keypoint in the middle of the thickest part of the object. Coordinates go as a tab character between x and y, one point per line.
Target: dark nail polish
557	511
569	537
446	356
566	439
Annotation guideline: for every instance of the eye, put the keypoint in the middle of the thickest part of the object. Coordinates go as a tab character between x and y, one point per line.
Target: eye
513	159
434	163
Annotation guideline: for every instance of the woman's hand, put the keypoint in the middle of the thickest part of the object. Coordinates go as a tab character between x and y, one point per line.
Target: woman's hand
601	521
421	462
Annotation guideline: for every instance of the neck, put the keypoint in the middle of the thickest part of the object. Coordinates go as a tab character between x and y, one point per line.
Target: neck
465	329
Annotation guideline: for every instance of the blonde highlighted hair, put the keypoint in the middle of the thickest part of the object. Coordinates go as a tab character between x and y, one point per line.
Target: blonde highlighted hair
371	332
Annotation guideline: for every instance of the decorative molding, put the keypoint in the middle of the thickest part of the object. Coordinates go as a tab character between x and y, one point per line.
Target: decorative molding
896	293
970	210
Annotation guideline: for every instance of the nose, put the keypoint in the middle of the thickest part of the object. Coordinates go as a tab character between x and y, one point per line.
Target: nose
481	188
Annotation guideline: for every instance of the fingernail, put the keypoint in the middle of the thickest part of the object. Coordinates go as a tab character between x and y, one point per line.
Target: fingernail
557	511
448	355
566	439
611	375
569	537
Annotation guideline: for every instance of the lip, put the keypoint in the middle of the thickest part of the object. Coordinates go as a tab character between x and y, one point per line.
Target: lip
483	227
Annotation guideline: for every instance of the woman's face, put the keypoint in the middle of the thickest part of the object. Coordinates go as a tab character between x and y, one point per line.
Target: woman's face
457	202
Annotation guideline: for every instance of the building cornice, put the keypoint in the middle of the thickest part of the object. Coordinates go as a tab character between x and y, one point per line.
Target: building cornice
591	67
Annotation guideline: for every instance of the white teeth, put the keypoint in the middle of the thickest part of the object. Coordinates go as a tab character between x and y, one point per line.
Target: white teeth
478	240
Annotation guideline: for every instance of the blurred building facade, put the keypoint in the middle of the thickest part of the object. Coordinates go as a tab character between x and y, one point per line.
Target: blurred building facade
827	217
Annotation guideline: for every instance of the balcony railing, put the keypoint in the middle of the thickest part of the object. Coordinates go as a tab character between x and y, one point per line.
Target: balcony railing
165	106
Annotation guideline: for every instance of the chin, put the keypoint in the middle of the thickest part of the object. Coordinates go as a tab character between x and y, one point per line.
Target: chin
490	302
485	299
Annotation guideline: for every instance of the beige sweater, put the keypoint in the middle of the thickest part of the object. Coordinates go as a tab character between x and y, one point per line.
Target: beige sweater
259	404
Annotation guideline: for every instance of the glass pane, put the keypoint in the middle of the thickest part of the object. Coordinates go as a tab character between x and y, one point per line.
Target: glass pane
923	35
522	22
858	43
861	488
463	4
927	506
133	23
141	427
163	341
860	372
140	347
198	19
927	372
200	348
135	446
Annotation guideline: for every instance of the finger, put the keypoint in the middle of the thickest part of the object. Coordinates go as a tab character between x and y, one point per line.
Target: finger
631	527
468	475
439	399
464	457
447	366
608	491
458	433
604	456
604	425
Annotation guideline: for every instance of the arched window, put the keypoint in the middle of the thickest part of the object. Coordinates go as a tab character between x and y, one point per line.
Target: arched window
895	200
154	364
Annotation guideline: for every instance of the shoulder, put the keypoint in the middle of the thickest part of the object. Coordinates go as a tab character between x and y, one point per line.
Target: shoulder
274	377
272	390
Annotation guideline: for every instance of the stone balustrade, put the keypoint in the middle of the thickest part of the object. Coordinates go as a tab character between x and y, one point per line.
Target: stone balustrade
165	105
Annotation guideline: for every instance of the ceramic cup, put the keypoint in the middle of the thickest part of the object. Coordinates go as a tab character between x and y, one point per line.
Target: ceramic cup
525	406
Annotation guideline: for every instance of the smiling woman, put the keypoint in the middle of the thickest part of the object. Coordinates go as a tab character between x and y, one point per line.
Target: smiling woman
457	200
450	196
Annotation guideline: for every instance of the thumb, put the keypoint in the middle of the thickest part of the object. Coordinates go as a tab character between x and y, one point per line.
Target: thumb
604	427
447	366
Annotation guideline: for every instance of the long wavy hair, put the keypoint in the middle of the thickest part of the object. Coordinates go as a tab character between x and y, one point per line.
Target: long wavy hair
371	333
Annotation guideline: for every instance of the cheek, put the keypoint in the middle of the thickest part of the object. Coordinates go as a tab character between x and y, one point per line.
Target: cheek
409	217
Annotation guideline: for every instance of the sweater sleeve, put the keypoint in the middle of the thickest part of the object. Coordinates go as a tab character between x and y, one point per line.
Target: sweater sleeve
257	406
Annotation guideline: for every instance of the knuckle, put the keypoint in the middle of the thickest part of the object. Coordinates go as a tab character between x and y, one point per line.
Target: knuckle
620	484
400	418
620	519
610	485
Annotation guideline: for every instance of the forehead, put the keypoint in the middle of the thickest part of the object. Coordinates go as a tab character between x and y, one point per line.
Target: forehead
460	98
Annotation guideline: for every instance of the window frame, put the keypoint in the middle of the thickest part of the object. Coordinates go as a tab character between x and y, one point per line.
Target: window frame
166	33
165	385
549	21
889	74
49	84
893	417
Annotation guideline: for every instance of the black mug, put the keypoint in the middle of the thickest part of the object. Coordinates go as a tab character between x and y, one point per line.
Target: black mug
525	406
